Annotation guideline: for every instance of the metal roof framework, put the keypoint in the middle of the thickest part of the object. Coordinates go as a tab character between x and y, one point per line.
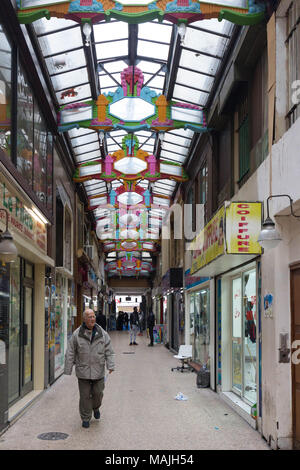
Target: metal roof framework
183	69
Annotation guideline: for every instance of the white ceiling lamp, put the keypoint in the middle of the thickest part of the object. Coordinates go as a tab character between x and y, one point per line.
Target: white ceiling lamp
182	32
8	250
269	237
87	31
101	136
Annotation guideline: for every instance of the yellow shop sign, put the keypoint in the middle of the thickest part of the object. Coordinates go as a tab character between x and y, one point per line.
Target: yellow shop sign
243	225
209	244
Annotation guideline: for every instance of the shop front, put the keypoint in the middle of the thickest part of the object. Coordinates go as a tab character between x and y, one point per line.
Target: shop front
228	252
173	308
22	301
198	314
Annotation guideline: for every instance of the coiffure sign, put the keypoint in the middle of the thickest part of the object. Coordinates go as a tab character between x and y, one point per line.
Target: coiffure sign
243	225
233	230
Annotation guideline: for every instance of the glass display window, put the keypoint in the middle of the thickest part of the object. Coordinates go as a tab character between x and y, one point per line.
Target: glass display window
5	93
25	123
244	320
34	143
199	305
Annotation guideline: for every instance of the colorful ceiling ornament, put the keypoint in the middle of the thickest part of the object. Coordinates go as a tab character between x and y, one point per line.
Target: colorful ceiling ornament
242	12
133	245
129	166
132	107
128	262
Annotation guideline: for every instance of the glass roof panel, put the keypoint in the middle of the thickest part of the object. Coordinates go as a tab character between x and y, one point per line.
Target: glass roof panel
153	30
189	94
178	158
111	49
204	42
61	41
44	26
70	79
175	148
111	30
195	79
115	66
85	139
150	49
65	62
85	157
196	61
82	93
87	148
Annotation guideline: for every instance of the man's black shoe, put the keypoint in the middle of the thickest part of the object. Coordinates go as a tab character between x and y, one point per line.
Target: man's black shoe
136	344
150	344
85	424
130	344
96	414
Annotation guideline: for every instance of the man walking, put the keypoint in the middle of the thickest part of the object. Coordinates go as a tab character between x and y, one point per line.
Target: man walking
89	348
151	323
134	324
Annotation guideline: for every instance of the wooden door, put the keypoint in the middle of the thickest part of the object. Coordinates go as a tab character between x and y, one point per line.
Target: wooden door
295	335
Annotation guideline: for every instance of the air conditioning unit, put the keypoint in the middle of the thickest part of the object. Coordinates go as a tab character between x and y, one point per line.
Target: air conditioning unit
89	249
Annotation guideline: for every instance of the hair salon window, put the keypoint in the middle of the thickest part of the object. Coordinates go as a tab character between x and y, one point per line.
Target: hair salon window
34	143
5	93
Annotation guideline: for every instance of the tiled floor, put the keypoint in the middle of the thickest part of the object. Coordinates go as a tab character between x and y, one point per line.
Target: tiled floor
138	412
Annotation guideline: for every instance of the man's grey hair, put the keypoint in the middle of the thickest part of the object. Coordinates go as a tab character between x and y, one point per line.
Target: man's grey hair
87	310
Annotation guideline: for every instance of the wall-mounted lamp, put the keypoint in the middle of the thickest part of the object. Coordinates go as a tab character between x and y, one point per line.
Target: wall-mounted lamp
8	250
269	236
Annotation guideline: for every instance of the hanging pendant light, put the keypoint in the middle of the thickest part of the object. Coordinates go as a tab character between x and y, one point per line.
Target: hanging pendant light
8	250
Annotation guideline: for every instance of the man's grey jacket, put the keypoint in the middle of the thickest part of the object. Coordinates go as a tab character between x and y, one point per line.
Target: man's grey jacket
89	356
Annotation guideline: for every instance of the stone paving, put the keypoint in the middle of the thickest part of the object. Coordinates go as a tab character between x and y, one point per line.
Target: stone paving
139	411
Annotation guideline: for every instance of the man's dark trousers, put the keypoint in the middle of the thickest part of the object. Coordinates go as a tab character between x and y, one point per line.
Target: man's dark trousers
91	394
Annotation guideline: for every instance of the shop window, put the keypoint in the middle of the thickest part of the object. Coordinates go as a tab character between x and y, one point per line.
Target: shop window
14	332
59	230
80	221
25	123
34	144
244	143
200	325
244	319
292	42
49	178
5	93
191	206
259	112
40	157
68	240
203	188
224	163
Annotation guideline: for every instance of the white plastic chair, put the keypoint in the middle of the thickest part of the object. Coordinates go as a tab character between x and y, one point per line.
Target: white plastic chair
184	355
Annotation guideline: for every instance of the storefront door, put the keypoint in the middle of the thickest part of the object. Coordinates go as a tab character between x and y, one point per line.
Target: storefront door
26	338
244	335
20	330
295	329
